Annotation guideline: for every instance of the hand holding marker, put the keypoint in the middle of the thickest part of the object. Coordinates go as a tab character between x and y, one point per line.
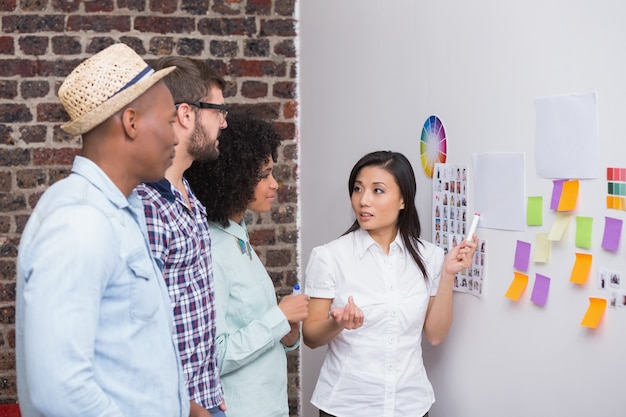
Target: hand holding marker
472	229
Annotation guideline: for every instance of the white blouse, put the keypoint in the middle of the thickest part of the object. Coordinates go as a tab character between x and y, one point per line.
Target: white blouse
378	368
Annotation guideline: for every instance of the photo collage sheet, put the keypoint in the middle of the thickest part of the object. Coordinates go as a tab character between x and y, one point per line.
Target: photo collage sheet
451	221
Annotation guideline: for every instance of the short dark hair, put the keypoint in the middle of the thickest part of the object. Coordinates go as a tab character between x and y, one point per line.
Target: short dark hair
225	186
408	220
191	80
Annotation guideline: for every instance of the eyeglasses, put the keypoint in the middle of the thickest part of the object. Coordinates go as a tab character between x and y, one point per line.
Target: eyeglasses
222	108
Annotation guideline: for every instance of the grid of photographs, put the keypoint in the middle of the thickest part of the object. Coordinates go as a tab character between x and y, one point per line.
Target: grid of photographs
611	280
451	220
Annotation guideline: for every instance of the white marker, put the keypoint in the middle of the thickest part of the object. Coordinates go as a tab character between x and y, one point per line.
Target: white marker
472	229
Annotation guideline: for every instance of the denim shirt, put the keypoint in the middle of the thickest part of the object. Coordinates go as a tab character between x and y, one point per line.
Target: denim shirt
93	323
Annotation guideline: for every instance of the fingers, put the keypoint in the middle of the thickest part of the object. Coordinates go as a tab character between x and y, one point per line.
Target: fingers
352	317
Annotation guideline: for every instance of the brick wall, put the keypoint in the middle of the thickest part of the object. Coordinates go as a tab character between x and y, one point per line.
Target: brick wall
251	42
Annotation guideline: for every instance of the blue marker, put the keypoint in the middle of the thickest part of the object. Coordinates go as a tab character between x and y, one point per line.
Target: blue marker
296	290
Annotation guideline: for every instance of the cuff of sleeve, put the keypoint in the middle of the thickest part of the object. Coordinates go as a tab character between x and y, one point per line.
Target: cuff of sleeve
294	346
277	323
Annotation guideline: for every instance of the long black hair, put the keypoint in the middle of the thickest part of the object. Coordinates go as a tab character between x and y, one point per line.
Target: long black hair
408	220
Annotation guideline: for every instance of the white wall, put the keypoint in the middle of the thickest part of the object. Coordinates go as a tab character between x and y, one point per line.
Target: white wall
371	72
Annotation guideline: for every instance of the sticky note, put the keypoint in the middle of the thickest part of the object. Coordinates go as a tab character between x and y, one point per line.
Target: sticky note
582	266
561	222
557	189
542	248
583	231
522	256
612	233
541	288
517	287
569	196
534	211
594	313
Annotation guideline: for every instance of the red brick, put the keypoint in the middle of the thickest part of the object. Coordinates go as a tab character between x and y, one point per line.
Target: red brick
33	5
138	5
279	257
164	24
13	113
195	7
262	237
7	268
11	157
32	23
278	27
161	45
51	112
98	6
8	5
34	89
33	134
227	27
65	6
163	6
33	45
284	89
60	156
254	89
256	68
8	89
286	130
80	23
6	180
6	45
10	202
66	45
285	48
285	7
7	293
290	110
283	214
261	7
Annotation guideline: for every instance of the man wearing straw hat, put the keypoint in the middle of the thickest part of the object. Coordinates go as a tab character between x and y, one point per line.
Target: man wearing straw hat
94	324
179	230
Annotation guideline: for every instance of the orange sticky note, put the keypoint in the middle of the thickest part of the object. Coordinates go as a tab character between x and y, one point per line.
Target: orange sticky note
581	269
569	196
517	287
594	313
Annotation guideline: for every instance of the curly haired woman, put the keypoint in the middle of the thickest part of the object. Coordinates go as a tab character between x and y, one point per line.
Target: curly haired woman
253	331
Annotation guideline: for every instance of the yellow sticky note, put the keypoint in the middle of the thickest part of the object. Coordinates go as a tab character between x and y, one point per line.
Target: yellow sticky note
569	196
534	211
594	313
583	231
542	248
558	227
581	269
517	287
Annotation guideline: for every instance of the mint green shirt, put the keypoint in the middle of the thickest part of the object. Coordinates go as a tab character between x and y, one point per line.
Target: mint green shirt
251	359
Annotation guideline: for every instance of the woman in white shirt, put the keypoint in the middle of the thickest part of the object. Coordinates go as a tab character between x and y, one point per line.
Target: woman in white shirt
373	291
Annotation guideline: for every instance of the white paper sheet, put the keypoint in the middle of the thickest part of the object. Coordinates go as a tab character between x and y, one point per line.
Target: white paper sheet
566	140
499	190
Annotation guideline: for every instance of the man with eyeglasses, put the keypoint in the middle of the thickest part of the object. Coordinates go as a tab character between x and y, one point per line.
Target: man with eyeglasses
179	231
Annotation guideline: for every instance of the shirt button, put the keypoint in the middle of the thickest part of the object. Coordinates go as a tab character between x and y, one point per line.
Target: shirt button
394	313
390	367
391	340
389	394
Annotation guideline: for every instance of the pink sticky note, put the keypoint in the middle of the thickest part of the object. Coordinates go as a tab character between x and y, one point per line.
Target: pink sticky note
557	189
522	256
612	233
540	290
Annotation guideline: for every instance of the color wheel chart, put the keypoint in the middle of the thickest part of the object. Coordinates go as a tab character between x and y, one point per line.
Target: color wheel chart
432	144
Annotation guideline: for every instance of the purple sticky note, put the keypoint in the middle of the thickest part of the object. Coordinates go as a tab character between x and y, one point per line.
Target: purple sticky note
557	189
540	290
522	256
612	233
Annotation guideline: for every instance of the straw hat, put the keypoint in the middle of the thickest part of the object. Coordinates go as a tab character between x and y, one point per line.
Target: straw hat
104	84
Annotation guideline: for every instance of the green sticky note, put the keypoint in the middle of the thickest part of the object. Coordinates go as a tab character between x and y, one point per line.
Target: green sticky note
534	211
583	231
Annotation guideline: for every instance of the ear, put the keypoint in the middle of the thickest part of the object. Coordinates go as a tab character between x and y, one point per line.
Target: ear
185	115
402	205
129	122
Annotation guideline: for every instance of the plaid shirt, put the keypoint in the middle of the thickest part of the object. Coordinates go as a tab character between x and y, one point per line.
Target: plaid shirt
180	242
